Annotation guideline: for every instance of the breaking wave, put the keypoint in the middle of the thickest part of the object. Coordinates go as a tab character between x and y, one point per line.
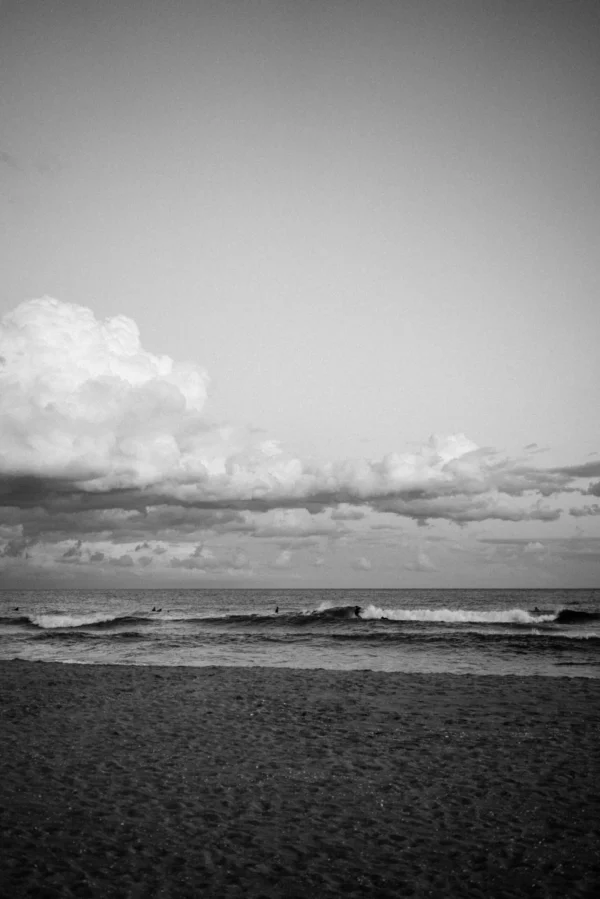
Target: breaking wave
323	615
52	621
460	616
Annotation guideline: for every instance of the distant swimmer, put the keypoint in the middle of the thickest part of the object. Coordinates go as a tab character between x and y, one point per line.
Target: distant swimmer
276	609
357	611
537	611
154	608
15	608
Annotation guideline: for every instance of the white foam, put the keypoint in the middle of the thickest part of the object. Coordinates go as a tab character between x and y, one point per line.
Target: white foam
322	607
496	616
65	619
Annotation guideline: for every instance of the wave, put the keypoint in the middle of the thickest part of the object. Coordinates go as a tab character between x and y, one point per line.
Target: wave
529	638
522	641
337	612
22	619
575	616
76	636
323	615
62	620
459	616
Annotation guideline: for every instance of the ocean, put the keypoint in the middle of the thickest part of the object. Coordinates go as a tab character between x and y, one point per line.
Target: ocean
553	633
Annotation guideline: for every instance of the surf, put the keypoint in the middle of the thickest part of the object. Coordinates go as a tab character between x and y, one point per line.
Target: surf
57	620
459	616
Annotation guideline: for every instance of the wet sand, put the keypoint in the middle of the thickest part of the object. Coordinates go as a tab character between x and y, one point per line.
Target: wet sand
237	782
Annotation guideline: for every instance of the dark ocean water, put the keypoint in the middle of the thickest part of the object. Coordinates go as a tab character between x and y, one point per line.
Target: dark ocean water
524	632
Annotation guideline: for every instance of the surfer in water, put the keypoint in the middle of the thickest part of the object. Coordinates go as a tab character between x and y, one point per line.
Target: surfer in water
357	611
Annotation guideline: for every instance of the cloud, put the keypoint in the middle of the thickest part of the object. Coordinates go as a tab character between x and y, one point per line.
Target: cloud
592	556
422	563
82	400
345	512
578	539
283	560
362	564
576	548
534	547
123	526
239	559
73	554
202	558
505	541
534	449
101	440
583	511
586	470
14	549
86	410
124	561
462	508
296	524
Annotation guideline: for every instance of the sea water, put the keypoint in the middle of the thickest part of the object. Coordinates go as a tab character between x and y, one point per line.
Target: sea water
501	632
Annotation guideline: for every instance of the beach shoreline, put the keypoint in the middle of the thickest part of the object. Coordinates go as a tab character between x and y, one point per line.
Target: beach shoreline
267	782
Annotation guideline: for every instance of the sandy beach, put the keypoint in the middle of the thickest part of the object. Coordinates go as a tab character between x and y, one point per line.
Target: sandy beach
238	782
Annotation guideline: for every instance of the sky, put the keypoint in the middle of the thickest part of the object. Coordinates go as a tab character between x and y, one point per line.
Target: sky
299	293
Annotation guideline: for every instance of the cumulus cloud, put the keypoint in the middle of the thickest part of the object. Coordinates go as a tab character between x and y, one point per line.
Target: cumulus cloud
82	399
87	411
362	564
101	440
